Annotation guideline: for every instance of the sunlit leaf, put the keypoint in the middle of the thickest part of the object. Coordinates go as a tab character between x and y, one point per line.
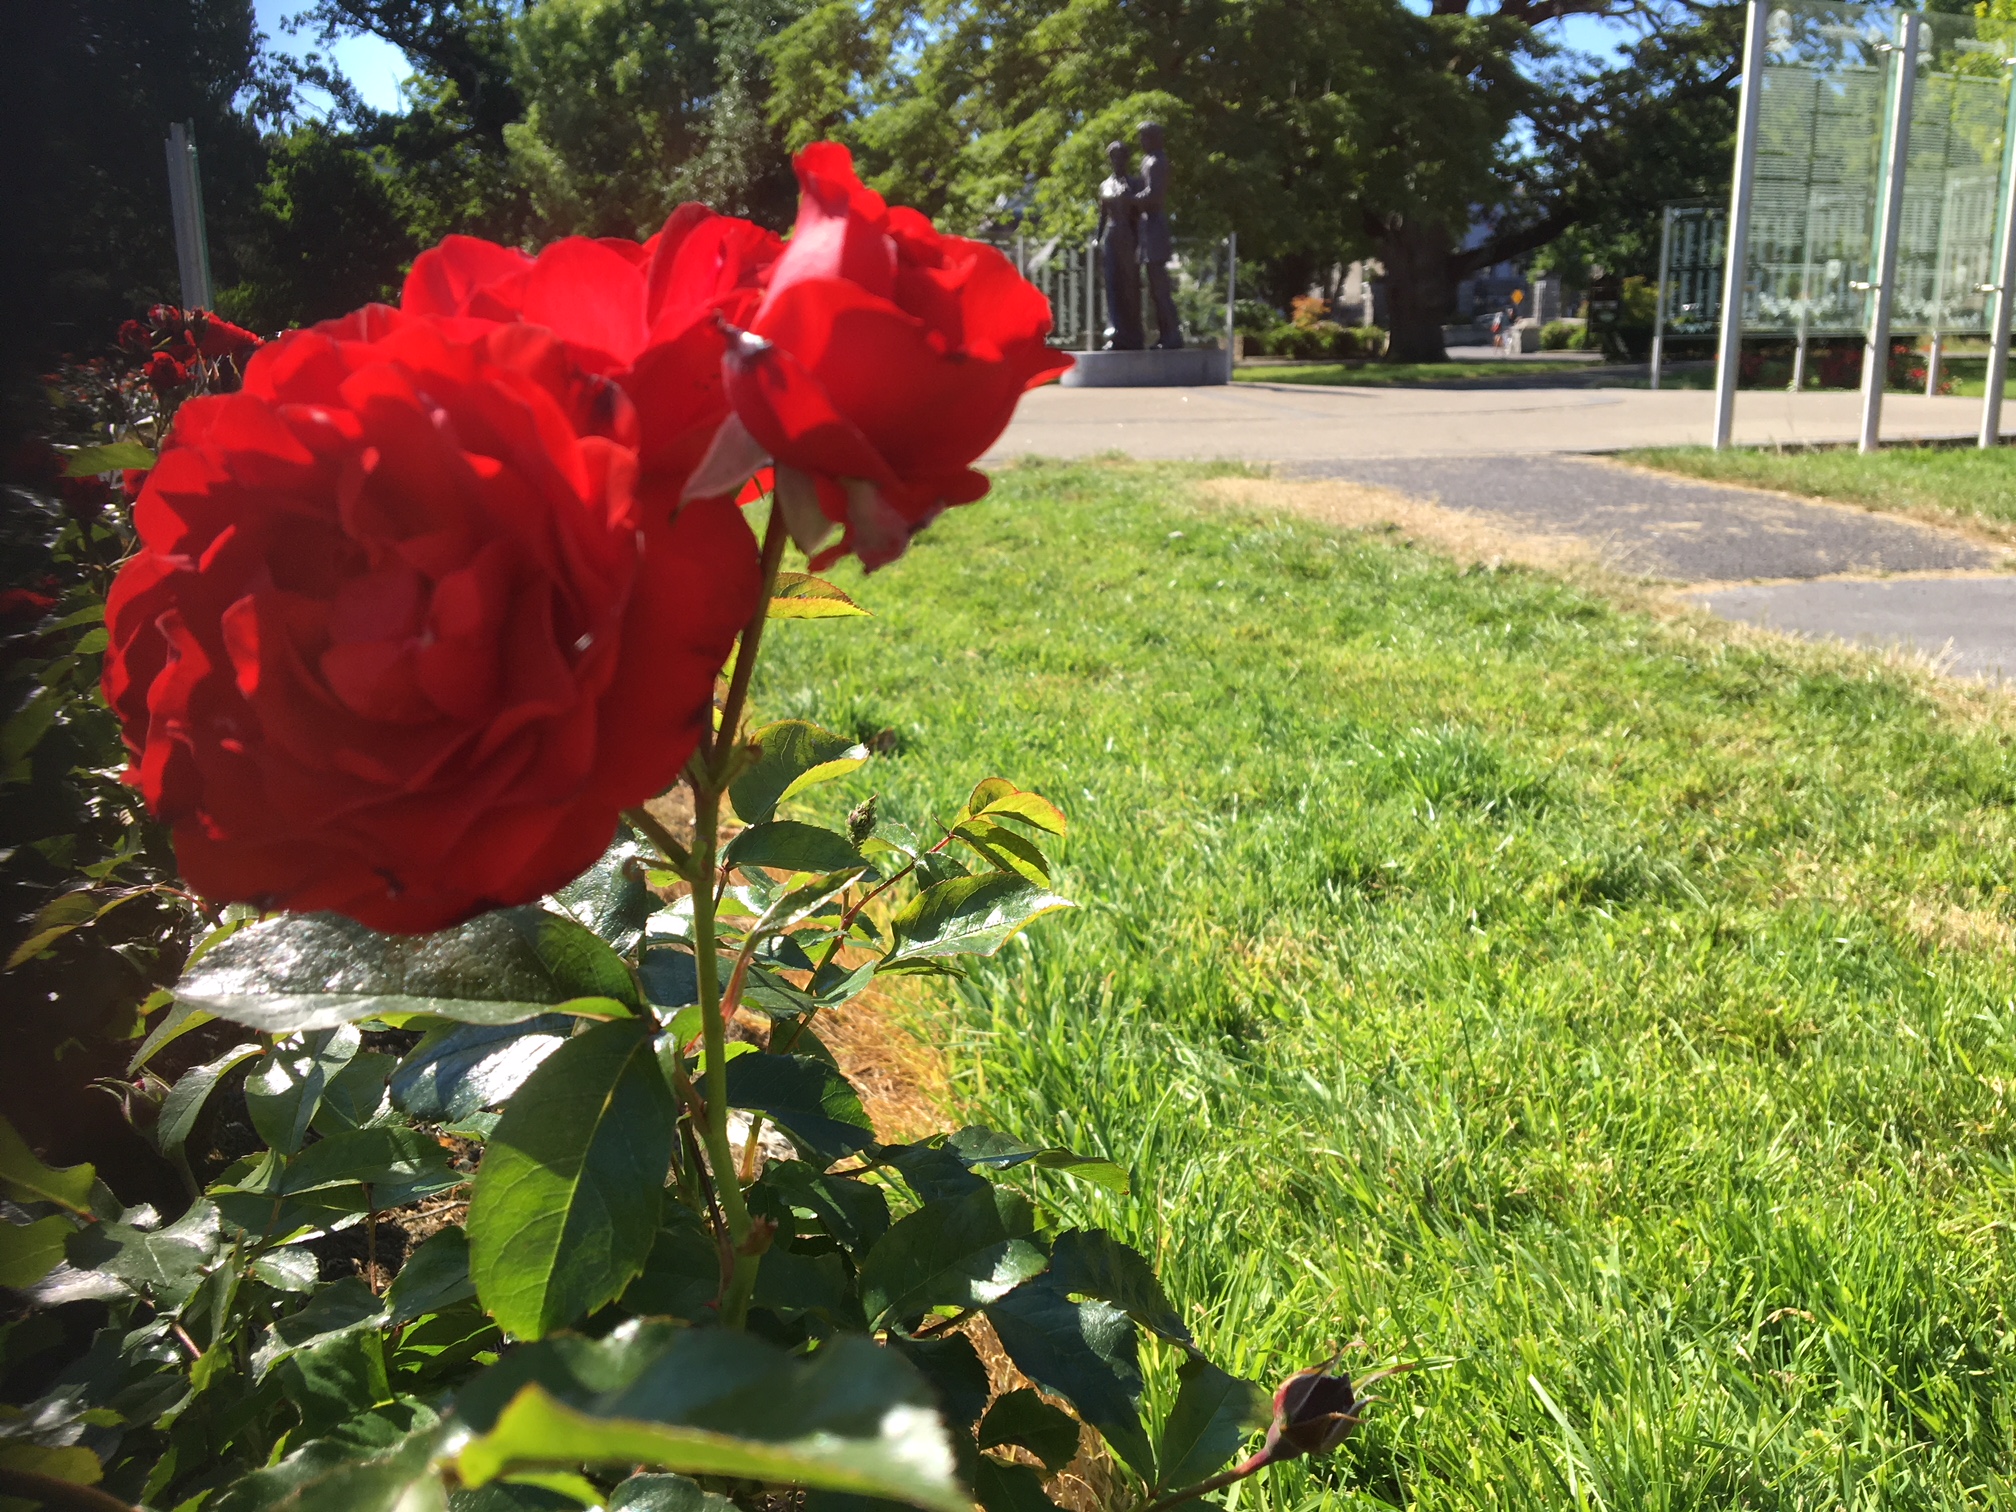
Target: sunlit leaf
968	916
796	755
965	1252
799	595
998	798
1213	1414
1084	1352
27	1179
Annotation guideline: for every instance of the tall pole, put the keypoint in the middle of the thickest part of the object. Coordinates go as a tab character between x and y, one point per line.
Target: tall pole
2003	271
1889	222
1231	298
1659	304
185	200
1729	343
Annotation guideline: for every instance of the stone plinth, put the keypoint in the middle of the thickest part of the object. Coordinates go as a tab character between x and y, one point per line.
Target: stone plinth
1187	367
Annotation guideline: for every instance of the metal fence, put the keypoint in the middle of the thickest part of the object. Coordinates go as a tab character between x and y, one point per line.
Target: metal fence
1068	273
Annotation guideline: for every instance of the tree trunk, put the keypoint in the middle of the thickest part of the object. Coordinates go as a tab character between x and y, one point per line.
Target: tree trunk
1418	289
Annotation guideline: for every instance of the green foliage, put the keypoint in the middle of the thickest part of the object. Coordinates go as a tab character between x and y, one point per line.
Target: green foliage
630	1296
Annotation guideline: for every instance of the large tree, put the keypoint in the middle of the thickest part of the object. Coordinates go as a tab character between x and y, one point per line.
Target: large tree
1320	130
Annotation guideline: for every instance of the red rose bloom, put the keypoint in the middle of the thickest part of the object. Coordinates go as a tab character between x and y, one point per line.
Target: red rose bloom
164	372
134	337
644	314
883	360
217	338
403	634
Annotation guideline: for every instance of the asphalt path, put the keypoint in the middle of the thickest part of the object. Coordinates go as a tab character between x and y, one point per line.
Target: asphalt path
1528	458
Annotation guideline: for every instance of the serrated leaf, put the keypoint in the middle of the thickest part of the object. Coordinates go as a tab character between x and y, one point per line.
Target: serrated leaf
399	1165
1009	1488
954	1369
855	1213
1024	1419
787	845
977	1146
370	1464
179	1020
612	897
343	1306
284	1088
316	971
185	1100
434	1277
29	1251
1213	1414
566	1202
63	915
796	755
665	1493
1092	1263
807	1099
1084	1352
682	1275
459	1069
968	916
965	1252
113	456
799	595
291	1269
358	1096
168	1263
851	1418
998	798
27	1179
1005	850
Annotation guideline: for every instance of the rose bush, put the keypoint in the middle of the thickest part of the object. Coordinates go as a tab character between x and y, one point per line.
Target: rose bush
405	632
491	1216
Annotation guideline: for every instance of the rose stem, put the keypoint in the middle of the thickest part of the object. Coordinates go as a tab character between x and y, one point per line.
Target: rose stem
706	839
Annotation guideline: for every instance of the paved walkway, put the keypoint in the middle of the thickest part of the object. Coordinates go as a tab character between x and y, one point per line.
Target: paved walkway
1284	423
1508	455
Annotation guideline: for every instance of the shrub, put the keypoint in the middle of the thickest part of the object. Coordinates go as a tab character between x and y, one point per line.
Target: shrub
1308	310
1254	317
1559	335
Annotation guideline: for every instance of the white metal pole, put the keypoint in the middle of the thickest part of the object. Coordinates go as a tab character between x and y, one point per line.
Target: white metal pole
1889	222
185	200
1659	303
1729	342
1231	298
2003	271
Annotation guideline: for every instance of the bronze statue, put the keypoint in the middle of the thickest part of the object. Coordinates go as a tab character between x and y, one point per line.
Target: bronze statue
1152	200
1120	251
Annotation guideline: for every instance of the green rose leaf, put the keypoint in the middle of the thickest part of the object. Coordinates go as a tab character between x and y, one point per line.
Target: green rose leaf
1009	1488
984	1147
966	1252
787	845
399	1165
1092	1263
807	1099
357	1096
316	971
29	1251
851	1418
566	1203
1005	850
168	1263
998	798
434	1277
612	898
342	1307
1085	1352
799	595
1213	1414
283	1091
796	755
376	1462
953	1367
968	916
26	1179
682	1275
460	1069
114	456
1024	1419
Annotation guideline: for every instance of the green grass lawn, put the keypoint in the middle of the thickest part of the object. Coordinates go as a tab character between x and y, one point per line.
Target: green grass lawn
1961	480
1617	1018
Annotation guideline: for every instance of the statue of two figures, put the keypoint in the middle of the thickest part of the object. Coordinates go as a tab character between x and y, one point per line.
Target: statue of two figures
1133	231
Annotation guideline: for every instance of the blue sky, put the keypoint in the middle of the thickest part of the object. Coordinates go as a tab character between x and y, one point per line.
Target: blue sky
374	66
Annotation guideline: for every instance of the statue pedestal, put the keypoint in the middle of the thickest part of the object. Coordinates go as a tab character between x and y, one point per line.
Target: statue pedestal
1187	367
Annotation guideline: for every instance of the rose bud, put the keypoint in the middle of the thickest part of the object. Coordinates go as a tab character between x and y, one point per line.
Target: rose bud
164	372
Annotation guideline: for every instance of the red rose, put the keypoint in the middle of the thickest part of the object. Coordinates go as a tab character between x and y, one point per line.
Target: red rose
882	361
403	635
131	481
164	372
217	338
644	314
23	606
134	337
